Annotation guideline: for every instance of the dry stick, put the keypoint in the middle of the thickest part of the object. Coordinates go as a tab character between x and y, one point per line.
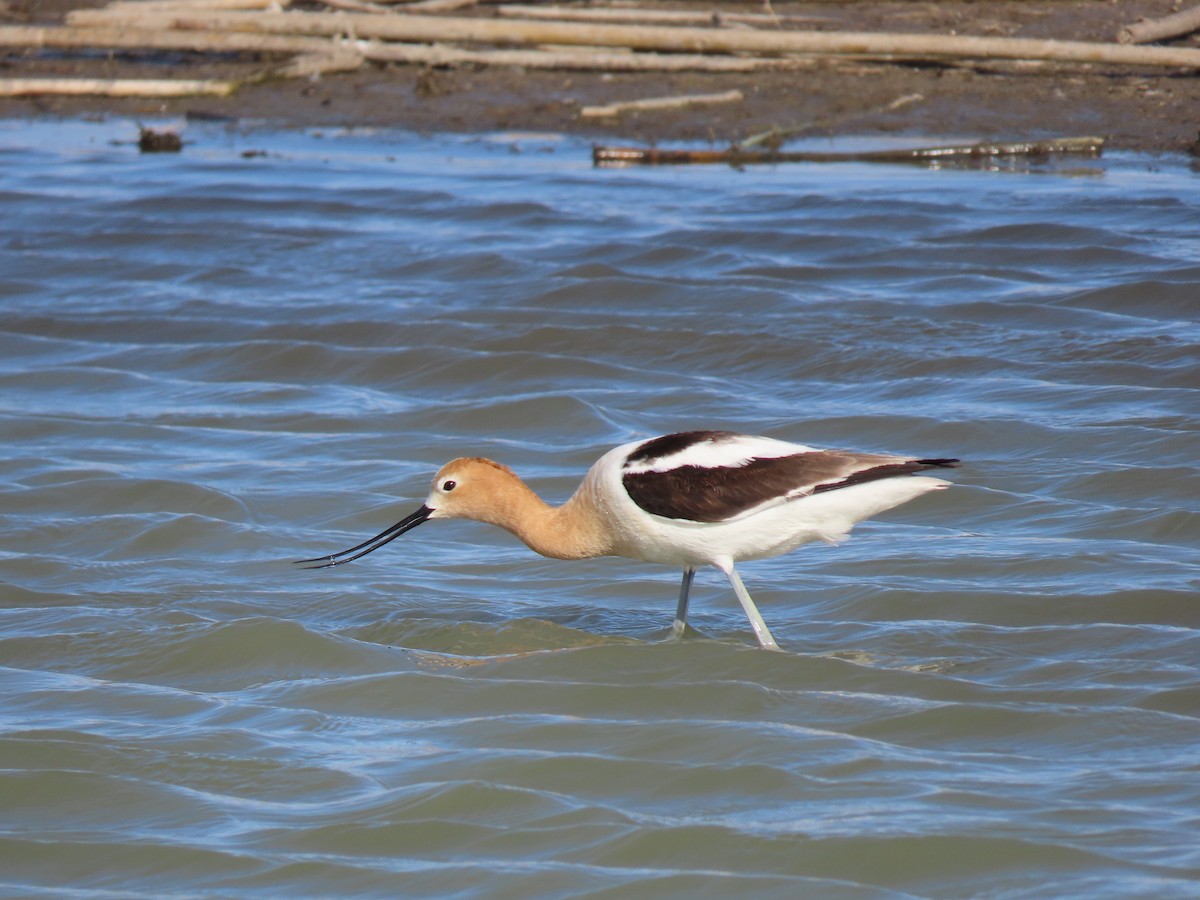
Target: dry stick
1147	30
165	39
114	87
576	59
694	40
661	16
301	67
420	54
655	103
630	156
188	5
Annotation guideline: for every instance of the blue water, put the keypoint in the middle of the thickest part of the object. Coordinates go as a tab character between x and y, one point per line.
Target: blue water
213	363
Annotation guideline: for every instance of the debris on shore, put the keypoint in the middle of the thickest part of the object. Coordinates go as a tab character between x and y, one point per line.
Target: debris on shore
643	65
613	38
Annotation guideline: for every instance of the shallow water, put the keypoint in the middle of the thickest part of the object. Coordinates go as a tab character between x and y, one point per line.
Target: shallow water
213	363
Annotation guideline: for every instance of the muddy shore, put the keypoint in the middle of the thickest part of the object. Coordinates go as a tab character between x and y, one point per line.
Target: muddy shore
1144	109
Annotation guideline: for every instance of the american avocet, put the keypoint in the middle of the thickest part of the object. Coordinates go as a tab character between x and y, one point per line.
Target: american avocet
688	499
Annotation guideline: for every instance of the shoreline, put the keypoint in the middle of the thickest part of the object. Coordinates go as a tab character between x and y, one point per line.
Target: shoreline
1144	110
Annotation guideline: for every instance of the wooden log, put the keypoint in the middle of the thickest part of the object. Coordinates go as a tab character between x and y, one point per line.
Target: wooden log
658	103
632	156
181	5
659	38
575	59
114	87
160	39
656	16
1147	30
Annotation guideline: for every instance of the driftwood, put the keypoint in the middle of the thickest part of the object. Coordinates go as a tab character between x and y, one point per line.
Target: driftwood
1148	30
180	5
114	87
576	59
657	16
164	39
659	103
659	38
631	156
316	56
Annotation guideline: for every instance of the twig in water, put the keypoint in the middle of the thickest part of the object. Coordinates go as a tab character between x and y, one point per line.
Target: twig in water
632	156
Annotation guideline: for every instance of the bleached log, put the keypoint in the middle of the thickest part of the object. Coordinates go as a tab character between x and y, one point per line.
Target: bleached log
580	60
180	5
114	87
162	39
658	38
646	16
575	58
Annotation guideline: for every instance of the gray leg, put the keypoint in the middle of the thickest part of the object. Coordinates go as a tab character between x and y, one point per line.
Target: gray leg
756	621
681	610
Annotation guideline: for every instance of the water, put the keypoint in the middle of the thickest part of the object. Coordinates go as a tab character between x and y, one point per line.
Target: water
213	363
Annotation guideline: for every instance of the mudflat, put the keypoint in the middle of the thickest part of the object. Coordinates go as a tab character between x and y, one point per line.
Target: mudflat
1151	109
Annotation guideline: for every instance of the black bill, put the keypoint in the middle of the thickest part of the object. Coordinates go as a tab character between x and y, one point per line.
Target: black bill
371	544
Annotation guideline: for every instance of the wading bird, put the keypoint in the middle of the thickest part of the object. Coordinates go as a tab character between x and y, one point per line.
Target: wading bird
689	499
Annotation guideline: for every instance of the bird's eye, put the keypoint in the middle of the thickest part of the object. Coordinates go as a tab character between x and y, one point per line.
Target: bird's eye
449	485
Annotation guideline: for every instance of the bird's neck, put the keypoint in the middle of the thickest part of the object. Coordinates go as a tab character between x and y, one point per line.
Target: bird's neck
570	531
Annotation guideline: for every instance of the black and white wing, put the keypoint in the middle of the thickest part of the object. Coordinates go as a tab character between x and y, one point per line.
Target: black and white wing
717	476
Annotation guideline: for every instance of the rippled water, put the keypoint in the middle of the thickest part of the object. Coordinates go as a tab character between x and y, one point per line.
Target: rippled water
213	363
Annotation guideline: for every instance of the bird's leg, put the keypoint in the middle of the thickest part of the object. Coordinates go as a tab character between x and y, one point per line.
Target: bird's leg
681	610
756	621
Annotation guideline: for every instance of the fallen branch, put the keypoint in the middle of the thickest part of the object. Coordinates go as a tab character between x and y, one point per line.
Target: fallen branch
658	103
165	39
1148	30
662	38
631	156
114	87
417	54
135	6
574	59
658	16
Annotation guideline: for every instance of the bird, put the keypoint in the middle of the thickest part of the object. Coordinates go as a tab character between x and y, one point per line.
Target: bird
687	499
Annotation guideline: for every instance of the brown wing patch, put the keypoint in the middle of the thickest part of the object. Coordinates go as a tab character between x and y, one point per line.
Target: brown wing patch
700	494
